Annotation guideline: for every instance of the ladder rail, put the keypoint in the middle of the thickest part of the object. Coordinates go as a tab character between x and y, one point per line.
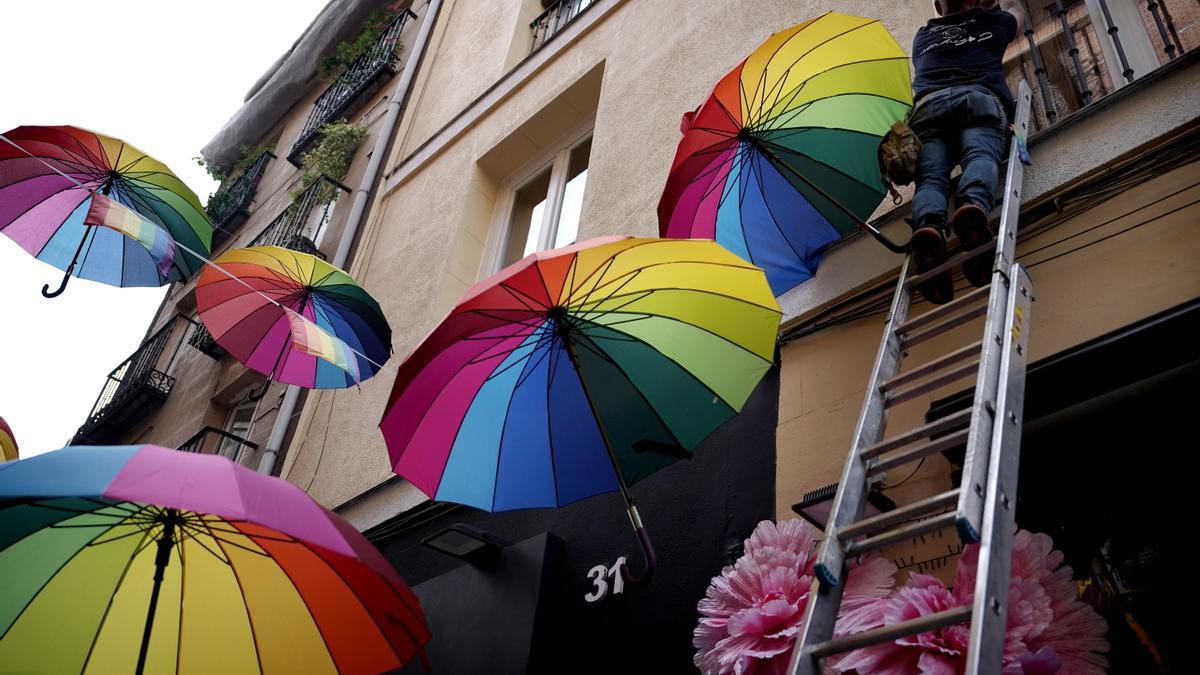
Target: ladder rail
976	460
990	602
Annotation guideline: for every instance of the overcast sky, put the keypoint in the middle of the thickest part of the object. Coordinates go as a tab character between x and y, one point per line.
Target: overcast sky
163	76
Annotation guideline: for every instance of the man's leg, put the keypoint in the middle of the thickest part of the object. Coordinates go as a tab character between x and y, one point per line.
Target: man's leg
929	206
982	145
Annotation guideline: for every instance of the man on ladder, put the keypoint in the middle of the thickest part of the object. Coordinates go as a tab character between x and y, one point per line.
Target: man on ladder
961	115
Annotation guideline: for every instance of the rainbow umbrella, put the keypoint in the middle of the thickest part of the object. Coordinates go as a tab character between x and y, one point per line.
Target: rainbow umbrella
780	161
579	371
98	208
293	317
8	442
119	559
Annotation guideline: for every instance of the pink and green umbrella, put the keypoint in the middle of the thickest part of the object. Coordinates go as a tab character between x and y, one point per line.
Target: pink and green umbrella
293	317
131	558
98	208
780	161
580	371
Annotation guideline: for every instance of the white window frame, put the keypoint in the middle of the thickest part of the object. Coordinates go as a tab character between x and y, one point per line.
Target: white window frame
230	418
558	158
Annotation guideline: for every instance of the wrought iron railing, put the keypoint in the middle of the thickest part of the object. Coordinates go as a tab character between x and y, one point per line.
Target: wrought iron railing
556	17
301	223
211	440
1061	52
381	60
231	204
140	383
203	340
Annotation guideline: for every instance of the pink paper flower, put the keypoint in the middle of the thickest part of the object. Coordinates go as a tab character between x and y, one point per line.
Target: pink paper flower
753	610
1050	631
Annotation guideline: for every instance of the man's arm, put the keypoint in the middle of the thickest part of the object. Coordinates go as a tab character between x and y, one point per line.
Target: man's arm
1013	7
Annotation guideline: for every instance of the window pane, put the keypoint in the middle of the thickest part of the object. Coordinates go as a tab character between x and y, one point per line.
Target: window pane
568	219
526	222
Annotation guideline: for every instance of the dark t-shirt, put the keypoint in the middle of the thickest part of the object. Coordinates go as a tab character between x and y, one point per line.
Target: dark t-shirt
964	48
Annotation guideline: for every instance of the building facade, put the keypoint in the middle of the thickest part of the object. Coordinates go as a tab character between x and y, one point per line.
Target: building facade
524	125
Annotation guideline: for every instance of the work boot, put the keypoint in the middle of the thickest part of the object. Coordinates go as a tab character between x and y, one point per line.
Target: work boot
928	246
970	225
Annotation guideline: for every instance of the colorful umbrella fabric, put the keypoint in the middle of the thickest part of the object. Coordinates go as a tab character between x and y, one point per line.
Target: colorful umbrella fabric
580	370
48	176
8	443
780	161
115	558
252	317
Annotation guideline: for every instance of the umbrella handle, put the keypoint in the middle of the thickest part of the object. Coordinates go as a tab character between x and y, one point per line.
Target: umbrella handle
256	396
647	552
47	293
883	239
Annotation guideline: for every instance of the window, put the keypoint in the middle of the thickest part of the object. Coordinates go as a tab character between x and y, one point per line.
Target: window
239	422
540	206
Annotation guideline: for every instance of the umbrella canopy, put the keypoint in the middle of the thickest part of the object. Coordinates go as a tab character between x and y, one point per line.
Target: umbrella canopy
580	370
112	556
780	161
49	178
293	317
8	444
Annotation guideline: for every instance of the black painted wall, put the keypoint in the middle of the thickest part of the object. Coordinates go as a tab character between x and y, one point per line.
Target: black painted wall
695	511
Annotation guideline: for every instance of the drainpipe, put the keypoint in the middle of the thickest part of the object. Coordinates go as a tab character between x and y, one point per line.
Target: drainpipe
362	196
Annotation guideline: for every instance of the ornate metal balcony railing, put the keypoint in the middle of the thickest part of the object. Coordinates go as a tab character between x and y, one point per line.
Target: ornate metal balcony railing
203	340
1062	53
353	85
214	441
230	206
301	223
135	387
556	17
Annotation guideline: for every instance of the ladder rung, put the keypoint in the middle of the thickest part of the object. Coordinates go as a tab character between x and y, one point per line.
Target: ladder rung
947	309
946	617
959	257
933	366
932	384
917	452
939	328
907	512
890	537
947	423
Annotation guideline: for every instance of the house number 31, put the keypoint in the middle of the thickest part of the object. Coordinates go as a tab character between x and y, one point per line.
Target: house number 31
598	576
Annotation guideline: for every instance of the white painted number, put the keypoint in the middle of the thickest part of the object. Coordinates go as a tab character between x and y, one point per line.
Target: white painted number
597	575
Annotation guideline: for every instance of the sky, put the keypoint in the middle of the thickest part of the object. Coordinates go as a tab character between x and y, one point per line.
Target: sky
163	76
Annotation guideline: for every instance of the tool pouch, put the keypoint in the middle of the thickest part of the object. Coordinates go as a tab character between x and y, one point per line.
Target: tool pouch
898	153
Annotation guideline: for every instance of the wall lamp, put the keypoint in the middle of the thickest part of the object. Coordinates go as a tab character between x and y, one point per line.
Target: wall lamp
466	543
816	505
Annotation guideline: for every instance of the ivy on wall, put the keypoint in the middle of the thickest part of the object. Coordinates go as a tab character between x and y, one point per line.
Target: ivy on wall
332	154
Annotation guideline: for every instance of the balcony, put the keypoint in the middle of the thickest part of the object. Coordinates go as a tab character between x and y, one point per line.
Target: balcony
352	87
302	225
204	342
1074	55
230	206
136	387
556	17
214	441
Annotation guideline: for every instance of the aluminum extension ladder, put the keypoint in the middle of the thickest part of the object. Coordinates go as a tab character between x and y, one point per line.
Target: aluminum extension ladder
982	508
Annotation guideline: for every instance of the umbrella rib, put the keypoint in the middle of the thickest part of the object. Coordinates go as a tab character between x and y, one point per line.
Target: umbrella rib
512	394
757	173
519	296
640	394
538	318
413	612
697	327
249	618
17	617
551	367
816	46
107	609
527	371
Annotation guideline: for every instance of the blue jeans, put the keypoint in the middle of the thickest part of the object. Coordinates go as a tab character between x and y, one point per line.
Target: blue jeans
958	125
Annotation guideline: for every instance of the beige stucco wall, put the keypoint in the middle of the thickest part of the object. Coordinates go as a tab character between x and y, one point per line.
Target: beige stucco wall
425	238
1078	297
